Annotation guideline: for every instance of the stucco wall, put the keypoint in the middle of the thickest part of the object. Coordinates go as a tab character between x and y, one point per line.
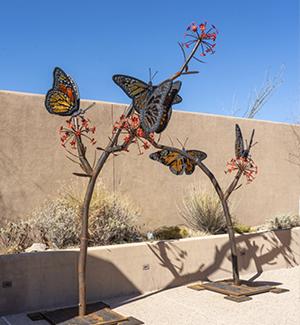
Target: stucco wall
45	280
33	164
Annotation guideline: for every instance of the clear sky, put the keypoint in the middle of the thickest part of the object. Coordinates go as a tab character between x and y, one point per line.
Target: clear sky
94	39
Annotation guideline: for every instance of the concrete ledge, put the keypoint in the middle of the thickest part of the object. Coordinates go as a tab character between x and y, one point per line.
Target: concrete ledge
49	279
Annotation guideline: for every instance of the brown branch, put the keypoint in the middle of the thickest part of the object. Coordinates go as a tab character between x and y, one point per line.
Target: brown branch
229	224
81	175
184	67
85	214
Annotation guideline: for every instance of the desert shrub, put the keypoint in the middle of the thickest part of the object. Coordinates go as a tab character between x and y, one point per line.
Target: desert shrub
114	221
283	222
203	212
15	236
241	228
57	222
172	232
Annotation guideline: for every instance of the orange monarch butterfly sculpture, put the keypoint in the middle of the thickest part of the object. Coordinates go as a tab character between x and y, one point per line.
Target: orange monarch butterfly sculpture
177	163
63	98
153	103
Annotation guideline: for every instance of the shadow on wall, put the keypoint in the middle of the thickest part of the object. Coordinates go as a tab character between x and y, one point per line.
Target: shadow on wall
255	256
49	280
275	245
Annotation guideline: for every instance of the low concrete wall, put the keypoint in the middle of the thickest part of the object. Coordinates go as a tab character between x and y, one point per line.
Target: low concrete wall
49	279
33	164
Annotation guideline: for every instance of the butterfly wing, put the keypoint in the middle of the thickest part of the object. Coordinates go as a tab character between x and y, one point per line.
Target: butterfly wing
151	115
168	106
178	166
58	102
177	100
166	157
63	99
239	142
189	164
171	159
134	88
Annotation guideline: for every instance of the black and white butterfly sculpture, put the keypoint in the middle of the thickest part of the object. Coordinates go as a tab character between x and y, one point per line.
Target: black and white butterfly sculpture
152	103
242	151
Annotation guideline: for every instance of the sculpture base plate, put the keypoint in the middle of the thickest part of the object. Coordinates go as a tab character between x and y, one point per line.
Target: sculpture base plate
237	293
97	314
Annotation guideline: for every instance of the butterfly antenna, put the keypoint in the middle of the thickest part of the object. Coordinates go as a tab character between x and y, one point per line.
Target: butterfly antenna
180	142
156	72
90	106
186	140
150	76
170	139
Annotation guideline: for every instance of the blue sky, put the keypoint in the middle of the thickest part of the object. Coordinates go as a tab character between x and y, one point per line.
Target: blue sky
93	39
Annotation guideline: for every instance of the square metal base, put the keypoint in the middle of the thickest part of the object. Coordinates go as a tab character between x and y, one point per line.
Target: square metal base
97	314
237	293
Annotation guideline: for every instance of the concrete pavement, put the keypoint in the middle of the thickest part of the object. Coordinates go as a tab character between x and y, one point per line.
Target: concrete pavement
183	306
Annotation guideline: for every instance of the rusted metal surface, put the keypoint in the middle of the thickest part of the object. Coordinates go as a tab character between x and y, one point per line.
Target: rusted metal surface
97	314
237	293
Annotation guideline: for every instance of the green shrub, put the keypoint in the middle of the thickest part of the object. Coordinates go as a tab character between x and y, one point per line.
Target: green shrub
203	212
172	232
283	222
241	228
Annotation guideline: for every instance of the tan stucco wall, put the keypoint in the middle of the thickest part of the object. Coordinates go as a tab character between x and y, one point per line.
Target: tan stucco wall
33	164
49	279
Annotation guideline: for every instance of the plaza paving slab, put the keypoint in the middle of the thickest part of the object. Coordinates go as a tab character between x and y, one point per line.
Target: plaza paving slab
181	305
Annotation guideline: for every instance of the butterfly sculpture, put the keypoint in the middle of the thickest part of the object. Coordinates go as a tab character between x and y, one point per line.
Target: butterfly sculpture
240	150
177	163
139	91
63	98
153	103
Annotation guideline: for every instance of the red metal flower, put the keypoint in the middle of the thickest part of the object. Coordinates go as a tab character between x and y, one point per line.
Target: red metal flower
245	165
132	131
76	127
207	38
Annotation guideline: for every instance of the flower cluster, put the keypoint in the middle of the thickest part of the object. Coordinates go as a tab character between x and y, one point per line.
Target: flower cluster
206	37
246	165
132	132
76	127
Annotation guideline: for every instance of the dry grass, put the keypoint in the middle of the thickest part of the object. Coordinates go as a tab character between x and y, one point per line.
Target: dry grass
57	222
283	222
203	212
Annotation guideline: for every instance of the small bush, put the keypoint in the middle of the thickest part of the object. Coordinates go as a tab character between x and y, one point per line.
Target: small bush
172	232
114	222
283	222
57	222
15	237
241	228
203	212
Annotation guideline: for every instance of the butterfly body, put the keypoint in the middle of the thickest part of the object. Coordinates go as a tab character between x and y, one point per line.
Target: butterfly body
155	111
178	163
63	98
240	150
152	102
138	90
